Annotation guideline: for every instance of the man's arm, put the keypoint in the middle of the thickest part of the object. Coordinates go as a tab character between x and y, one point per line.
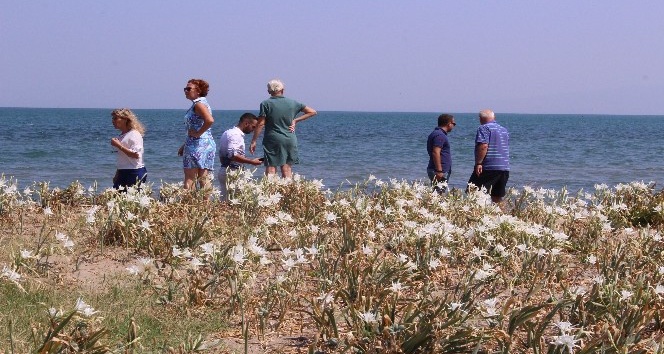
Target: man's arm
480	154
257	132
244	159
437	162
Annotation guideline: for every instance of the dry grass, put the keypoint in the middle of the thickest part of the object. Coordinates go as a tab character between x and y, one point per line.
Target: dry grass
289	267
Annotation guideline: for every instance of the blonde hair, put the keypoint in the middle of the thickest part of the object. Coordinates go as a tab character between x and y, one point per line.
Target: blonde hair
132	121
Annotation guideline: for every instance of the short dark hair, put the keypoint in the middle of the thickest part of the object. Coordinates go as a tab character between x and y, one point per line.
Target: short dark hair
247	116
444	119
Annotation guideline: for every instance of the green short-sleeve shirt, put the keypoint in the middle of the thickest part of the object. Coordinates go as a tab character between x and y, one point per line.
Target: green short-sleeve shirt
279	144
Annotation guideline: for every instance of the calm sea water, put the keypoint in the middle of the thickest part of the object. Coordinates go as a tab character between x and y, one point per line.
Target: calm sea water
342	148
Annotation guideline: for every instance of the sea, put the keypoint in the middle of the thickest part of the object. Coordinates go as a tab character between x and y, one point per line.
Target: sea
553	151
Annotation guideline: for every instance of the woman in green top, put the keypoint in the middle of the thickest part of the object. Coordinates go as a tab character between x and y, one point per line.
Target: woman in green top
278	116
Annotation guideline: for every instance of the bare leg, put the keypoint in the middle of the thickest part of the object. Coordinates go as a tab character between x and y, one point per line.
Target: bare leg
270	170
286	171
203	180
190	175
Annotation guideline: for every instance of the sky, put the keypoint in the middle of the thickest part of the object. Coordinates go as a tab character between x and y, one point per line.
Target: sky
567	56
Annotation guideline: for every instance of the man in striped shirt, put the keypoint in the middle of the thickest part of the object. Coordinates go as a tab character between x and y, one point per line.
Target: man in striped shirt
492	156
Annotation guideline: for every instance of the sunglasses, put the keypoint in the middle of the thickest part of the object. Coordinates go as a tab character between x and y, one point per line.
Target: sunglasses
187	89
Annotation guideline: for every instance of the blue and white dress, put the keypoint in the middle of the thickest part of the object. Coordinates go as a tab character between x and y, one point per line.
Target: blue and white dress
198	152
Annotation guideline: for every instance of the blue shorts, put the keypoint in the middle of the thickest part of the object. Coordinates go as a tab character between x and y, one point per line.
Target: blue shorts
130	177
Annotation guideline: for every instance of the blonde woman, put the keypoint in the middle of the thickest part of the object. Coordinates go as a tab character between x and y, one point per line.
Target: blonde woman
129	144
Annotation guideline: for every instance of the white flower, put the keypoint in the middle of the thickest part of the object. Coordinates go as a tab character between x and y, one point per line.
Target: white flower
521	247
145	225
368	317
410	265
444	252
53	312
434	263
559	236
48	211
287	252
492	302
542	252
27	191
396	287
477	252
456	305
239	255
69	244
402	258
208	248
502	250
659	289
60	236
580	290
146	261
133	270
110	205
330	217
598	280
26	254
195	262
591	259
271	220
265	261
176	252
564	326
83	308
367	250
317	183
257	250
288	263
144	201
10	274
186	253
566	340
625	295
313	251
326	298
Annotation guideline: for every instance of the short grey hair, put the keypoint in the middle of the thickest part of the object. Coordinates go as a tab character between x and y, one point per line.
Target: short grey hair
275	85
487	115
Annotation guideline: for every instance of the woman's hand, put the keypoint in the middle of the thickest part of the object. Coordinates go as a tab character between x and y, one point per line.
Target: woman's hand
115	142
181	150
252	147
292	126
194	133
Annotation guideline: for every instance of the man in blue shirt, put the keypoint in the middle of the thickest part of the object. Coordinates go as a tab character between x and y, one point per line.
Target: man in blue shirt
492	156
440	155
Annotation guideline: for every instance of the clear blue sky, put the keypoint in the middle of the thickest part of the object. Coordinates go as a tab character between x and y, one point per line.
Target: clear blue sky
604	57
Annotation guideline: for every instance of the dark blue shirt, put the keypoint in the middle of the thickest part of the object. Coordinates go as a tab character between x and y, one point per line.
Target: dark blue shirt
438	137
